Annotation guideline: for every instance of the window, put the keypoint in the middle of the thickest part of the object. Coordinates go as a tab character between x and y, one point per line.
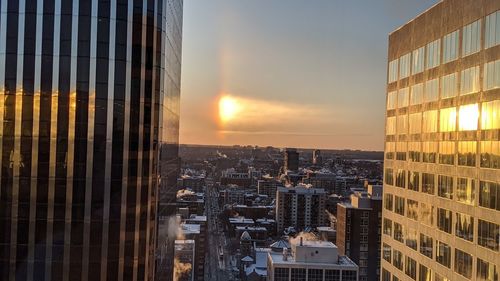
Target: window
404	66
488	234
467	153
388	201
444	220
315	274
417	65
464	227
401	148
281	274
403	97
413	180
386	252
449	86
402	124
391	100
429	151
417	94
389	177
490	115
387	227
412	209
430	121
391	125
465	191
414	151
411	238
463	263
491	75
411	268
349	275
450	47
401	178
447	152
489	195
438	277
486	271
386	275
433	54
393	71
390	148
469	80
431	90
427	214
298	274
398	232
448	119
445	186
332	275
492	34
428	183
399	205
426	247
397	259
443	253
468	117
416	123
424	274
490	154
471	42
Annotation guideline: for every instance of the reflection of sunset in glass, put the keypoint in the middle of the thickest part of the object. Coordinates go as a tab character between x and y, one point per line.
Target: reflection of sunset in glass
468	116
228	108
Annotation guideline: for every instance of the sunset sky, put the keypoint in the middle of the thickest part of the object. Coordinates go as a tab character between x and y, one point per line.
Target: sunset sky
298	73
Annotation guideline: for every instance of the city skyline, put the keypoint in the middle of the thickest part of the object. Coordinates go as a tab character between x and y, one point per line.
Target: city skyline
287	75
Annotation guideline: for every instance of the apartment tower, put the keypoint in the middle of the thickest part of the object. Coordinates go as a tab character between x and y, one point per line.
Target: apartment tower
89	93
441	213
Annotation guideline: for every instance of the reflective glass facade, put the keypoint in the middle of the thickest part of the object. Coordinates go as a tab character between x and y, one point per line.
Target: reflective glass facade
89	93
443	219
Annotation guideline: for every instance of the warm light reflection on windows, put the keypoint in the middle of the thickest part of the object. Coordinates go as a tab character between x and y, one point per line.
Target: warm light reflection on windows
391	125
467	153
417	94
430	121
391	100
469	82
490	115
448	119
468	116
403	97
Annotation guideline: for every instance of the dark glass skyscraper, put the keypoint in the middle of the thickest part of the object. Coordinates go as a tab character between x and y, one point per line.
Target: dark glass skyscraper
89	93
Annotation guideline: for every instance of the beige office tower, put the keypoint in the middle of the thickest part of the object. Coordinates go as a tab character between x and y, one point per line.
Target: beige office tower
441	211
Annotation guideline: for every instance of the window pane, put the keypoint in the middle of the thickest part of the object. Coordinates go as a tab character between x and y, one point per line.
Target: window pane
466	190
471	42
416	123
492	34
464	226
431	90
403	97
448	119
433	54
404	66
490	115
393	70
447	153
490	154
489	195
449	86
467	151
463	263
414	149
443	253
492	75
428	183
391	125
427	214
486	271
444	220
430	121
450	47
418	60
429	151
391	100
488	234
469	82
468	117
417	94
426	247
445	186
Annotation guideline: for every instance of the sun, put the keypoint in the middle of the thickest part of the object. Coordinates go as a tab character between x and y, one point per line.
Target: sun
228	108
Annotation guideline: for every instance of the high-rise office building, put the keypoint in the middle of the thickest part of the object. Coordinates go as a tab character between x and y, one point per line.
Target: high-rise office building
89	92
358	231
441	215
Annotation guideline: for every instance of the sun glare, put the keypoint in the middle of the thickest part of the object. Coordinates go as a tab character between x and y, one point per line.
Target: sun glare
228	108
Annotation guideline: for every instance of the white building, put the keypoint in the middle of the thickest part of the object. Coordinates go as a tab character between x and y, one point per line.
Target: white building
310	260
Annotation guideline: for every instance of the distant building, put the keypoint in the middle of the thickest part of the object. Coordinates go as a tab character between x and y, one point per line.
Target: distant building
267	186
195	183
184	254
359	231
235	178
291	160
199	265
317	159
310	260
441	217
194	232
319	179
300	207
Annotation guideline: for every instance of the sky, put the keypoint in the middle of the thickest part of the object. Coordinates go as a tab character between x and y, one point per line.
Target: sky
288	73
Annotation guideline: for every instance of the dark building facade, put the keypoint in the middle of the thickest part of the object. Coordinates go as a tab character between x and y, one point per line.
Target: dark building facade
291	160
89	92
358	231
